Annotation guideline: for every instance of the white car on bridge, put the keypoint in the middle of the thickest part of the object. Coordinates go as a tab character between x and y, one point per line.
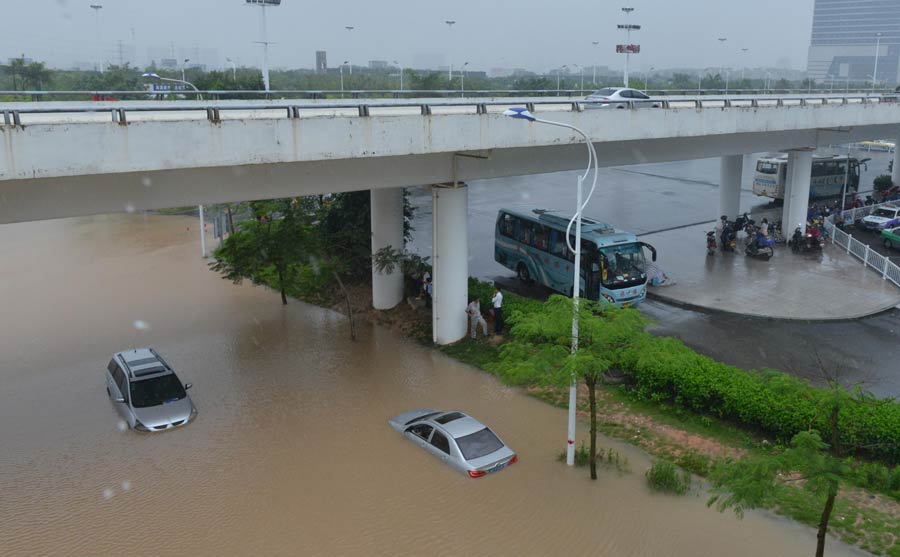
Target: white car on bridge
620	97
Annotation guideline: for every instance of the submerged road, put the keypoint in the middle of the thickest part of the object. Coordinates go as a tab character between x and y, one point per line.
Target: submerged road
652	197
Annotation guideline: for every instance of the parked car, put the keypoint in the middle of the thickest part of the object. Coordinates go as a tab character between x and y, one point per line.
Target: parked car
620	97
146	391
891	237
456	438
882	218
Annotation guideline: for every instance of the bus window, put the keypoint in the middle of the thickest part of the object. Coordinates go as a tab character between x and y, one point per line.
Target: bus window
525	232
558	245
541	237
624	266
766	167
508	226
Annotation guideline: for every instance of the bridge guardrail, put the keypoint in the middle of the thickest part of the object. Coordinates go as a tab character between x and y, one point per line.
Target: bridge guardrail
869	257
363	107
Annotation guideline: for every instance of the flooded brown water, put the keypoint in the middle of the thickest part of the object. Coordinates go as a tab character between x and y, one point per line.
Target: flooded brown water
291	453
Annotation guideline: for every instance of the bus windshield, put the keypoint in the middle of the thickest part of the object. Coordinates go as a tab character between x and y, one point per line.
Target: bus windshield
625	266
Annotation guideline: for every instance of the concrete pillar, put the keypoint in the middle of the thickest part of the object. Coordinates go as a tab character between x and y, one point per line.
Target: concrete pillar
895	170
387	230
796	193
730	172
450	262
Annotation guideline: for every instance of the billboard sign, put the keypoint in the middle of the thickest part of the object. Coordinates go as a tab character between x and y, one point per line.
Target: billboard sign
628	48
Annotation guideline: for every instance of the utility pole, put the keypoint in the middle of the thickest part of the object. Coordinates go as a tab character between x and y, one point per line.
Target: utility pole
263	33
628	47
121	54
349	29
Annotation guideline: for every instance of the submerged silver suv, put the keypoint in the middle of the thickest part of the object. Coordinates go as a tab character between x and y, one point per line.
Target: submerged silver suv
146	391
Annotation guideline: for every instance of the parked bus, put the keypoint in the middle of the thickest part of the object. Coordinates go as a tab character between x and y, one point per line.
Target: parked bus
613	266
828	176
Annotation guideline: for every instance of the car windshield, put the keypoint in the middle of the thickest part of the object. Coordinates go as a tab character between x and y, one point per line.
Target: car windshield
478	444
156	391
609	91
624	266
886	213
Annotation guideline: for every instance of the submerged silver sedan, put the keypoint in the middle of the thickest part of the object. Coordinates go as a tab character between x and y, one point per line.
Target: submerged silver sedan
456	438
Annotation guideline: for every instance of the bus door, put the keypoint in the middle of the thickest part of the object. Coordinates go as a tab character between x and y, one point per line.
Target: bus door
591	270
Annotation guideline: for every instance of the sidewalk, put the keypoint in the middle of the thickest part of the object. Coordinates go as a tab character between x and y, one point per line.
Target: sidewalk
819	286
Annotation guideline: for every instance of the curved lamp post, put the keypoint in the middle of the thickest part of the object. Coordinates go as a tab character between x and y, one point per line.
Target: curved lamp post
525	114
159	77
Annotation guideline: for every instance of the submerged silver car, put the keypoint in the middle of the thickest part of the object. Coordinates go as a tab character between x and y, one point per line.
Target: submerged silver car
456	438
146	391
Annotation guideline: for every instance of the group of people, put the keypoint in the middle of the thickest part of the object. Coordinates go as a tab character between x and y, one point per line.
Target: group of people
473	310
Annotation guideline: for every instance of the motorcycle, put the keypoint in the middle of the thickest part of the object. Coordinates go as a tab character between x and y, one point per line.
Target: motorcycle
761	247
812	240
711	242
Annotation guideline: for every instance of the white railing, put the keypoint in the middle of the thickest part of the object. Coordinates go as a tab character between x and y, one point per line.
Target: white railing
869	257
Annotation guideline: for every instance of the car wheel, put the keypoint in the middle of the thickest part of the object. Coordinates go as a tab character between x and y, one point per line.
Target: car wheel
523	274
620	107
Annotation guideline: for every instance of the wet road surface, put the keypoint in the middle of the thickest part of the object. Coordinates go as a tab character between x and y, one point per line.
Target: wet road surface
291	453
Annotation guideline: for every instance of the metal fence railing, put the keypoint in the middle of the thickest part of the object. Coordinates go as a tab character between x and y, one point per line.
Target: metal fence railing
870	258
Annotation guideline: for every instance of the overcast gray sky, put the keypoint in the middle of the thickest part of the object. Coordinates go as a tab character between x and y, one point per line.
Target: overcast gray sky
535	34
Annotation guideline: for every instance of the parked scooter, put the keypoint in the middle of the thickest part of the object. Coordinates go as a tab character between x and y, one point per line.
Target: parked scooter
711	242
761	247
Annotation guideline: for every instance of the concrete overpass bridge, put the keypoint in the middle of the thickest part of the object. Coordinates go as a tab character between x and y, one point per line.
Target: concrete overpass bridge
69	159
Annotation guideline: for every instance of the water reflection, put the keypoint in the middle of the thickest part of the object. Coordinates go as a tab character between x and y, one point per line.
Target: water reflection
291	453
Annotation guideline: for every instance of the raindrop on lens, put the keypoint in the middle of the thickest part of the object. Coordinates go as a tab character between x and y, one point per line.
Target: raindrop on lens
147	181
141	325
129	208
108	493
121	426
126	485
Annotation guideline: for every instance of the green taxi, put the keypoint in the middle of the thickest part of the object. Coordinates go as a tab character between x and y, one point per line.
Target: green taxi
891	237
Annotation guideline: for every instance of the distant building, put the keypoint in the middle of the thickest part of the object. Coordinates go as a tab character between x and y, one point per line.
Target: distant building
168	63
321	62
844	38
378	64
429	61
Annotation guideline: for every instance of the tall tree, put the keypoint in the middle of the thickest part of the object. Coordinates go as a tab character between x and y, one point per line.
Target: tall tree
541	348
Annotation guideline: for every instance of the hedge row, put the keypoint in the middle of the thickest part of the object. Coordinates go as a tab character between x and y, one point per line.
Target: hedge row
664	369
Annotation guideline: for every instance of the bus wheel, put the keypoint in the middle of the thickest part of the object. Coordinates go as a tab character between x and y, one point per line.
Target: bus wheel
522	273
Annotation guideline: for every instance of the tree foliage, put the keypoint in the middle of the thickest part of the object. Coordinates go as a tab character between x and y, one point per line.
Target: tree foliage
540	349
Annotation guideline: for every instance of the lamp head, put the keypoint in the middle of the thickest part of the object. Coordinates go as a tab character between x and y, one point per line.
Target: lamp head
520	113
150	74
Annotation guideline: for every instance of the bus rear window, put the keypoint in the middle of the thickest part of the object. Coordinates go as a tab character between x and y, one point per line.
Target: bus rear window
766	167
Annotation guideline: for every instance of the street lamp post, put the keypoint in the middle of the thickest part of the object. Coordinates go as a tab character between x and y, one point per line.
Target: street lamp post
524	114
450	23
594	79
722	42
628	29
646	76
557	77
97	8
341	68
877	48
349	29
183	66
233	69
462	81
188	83
401	74
263	34
581	75
743	65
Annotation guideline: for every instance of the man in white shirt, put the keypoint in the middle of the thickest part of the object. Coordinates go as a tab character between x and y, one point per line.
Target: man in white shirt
497	302
473	310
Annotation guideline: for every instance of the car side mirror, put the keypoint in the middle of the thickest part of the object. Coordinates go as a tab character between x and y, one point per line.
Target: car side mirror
120	399
188	386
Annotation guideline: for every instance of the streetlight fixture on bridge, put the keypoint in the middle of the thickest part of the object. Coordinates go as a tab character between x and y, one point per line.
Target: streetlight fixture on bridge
564	66
233	69
594	79
341	68
524	114
462	75
877	48
349	29
401	74
450	23
97	8
183	66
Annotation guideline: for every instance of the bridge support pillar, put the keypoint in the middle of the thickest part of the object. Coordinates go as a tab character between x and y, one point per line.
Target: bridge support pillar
796	191
450	261
895	170
730	171
387	230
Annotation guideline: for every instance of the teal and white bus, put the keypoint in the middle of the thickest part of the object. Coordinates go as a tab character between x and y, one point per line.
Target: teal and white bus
613	266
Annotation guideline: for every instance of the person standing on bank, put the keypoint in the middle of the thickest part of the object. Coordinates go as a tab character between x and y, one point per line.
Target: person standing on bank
497	302
474	312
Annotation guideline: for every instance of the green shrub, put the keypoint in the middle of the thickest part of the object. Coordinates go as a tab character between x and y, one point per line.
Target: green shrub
694	462
481	290
665	477
608	458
